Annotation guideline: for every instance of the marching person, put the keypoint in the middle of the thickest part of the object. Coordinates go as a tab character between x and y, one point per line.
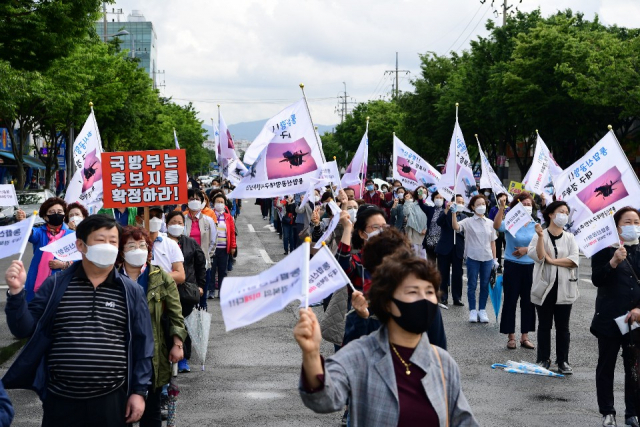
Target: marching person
43	264
394	376
415	225
164	302
224	243
75	213
450	254
200	228
500	242
518	274
91	344
374	197
615	273
433	215
555	283
195	271
480	241
166	253
288	223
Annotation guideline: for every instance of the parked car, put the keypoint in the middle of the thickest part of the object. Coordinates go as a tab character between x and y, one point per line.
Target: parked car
205	179
29	201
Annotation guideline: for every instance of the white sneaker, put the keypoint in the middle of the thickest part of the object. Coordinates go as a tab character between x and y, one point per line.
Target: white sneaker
473	316
482	314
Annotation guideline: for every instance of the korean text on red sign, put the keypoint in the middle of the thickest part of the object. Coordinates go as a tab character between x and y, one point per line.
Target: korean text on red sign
144	178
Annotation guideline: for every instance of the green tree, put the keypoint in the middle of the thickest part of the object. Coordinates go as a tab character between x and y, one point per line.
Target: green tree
33	33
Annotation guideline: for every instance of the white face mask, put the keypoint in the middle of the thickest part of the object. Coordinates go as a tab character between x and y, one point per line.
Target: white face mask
194	205
487	193
189	186
629	233
438	202
102	255
76	220
460	207
175	230
155	224
480	209
219	207
529	209
215	187
136	257
373	233
561	220
352	214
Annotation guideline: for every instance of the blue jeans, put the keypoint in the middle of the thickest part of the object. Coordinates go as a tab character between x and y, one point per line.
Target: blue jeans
483	269
288	237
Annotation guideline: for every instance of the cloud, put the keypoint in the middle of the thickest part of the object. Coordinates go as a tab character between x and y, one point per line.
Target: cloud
251	55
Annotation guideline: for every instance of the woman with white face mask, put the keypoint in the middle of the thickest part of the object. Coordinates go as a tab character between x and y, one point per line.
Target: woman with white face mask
163	299
200	228
615	272
480	240
518	274
555	283
75	214
433	229
224	245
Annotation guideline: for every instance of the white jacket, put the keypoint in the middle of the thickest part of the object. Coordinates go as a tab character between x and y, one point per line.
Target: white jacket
544	274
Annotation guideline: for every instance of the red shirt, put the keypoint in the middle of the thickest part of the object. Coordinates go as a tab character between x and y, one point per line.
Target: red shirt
415	407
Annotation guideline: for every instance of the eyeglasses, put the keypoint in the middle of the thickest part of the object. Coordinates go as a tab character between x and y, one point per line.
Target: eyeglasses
133	246
59	212
376	227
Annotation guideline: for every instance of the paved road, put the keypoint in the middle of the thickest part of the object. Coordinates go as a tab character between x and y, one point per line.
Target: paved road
251	374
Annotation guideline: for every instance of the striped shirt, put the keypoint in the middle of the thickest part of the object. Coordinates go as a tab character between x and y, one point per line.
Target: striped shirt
88	355
221	227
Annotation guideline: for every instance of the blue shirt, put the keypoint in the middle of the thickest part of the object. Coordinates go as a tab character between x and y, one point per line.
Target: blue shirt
121	217
522	239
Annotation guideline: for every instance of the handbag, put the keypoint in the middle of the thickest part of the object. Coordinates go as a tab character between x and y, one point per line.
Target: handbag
189	294
288	219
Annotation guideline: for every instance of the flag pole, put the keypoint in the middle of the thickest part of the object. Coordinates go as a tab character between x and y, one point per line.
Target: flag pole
626	157
342	273
455	168
305	270
25	240
324	160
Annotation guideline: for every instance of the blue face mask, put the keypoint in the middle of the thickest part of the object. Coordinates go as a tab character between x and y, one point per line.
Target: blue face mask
370	187
629	233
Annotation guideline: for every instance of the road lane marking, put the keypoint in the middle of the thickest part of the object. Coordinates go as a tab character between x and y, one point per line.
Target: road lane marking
265	256
251	229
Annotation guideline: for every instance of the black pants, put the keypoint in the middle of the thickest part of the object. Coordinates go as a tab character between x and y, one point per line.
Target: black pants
517	281
151	416
219	262
431	255
500	243
299	228
454	277
103	411
549	312
608	349
265	206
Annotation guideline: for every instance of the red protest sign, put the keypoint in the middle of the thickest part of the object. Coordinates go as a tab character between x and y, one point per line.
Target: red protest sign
144	178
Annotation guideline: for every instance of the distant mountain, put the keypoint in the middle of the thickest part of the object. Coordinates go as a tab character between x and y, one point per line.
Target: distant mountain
249	130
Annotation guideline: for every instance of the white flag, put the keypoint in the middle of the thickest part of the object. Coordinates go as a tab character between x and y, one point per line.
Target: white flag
175	139
64	248
8	195
325	275
411	169
245	300
458	176
597	236
516	218
357	170
597	185
335	210
329	173
489	179
315	184
543	170
14	237
227	148
288	160
86	185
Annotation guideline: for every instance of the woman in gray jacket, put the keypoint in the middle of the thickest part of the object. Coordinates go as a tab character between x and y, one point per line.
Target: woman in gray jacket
394	376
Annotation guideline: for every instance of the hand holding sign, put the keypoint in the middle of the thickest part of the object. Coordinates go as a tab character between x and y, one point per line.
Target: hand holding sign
539	230
307	333
360	304
15	276
619	256
20	215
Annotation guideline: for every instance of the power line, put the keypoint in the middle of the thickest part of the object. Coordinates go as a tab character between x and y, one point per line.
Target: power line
474	29
396	71
249	101
465	29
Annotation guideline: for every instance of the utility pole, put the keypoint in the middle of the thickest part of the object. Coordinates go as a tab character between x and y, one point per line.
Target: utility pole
504	13
396	71
343	100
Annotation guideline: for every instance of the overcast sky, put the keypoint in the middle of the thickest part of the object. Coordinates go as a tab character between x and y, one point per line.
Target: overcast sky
249	56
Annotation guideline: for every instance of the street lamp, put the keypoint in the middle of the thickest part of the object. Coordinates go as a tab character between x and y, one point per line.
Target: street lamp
118	34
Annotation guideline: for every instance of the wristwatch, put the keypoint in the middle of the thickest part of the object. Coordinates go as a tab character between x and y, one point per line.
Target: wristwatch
143	393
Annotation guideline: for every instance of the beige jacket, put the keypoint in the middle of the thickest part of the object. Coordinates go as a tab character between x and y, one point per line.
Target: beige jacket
544	274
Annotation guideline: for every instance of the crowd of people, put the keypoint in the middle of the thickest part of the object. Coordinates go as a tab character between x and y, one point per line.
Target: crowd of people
120	311
403	251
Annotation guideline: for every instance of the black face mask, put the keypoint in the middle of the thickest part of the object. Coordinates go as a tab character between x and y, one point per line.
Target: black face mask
415	317
55	219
